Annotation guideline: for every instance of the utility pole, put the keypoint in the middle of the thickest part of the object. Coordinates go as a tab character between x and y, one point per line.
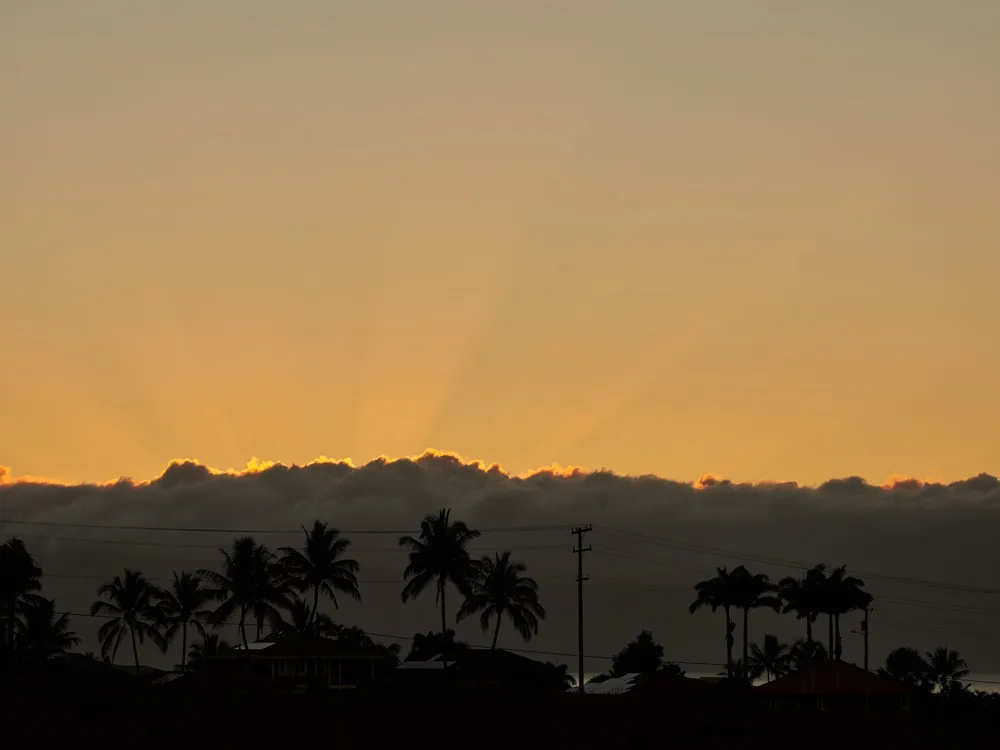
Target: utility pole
579	531
864	632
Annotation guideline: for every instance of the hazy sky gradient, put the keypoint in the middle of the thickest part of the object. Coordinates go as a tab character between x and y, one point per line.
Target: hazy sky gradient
760	239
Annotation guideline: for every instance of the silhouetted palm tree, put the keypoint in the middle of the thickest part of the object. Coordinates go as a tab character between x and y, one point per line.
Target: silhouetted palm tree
946	668
803	596
211	645
438	555
320	566
302	620
249	584
752	591
42	632
497	587
907	665
804	652
20	578
131	607
719	592
772	659
181	604
841	594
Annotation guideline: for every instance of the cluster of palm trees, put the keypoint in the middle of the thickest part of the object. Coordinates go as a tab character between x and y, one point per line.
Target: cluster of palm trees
280	592
820	591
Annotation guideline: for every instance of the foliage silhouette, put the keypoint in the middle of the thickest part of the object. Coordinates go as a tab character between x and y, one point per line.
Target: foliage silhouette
320	566
42	632
907	665
841	594
210	646
805	652
438	555
803	596
131	607
946	668
20	579
181	604
250	583
496	586
643	655
771	659
428	645
752	591
302	620
719	592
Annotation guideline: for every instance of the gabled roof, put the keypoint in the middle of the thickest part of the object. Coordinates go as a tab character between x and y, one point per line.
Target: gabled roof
832	677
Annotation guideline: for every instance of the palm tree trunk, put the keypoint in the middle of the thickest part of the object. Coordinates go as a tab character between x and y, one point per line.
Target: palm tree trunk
184	647
746	642
830	651
496	633
243	632
836	635
444	619
729	644
312	615
135	652
809	627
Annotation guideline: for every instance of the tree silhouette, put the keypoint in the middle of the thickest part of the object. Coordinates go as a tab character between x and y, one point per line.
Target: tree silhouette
805	652
907	665
803	596
211	645
320	566
752	592
842	594
642	655
131	606
428	645
42	632
181	604
302	620
20	578
496	587
438	555
250	583
946	668
719	593
771	659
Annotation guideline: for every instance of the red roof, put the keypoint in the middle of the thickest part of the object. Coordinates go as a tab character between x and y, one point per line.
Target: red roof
831	677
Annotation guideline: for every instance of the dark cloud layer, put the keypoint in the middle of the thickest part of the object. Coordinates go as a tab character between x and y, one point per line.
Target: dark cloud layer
652	539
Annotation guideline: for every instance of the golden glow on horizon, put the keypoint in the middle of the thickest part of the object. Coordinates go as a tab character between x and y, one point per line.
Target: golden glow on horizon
681	239
256	466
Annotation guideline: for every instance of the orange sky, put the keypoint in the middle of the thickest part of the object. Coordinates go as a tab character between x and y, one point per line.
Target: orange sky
754	239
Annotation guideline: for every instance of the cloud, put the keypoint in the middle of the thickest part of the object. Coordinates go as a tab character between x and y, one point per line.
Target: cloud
653	538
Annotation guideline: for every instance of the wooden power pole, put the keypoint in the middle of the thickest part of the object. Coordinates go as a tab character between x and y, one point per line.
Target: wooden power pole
580	578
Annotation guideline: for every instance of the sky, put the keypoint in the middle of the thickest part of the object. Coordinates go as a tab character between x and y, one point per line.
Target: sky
758	240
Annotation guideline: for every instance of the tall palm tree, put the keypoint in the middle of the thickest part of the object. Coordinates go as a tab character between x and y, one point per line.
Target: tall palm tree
498	586
131	608
249	584
42	632
438	555
805	652
211	645
772	659
841	594
20	578
907	665
946	668
803	596
181	604
719	593
752	591
321	567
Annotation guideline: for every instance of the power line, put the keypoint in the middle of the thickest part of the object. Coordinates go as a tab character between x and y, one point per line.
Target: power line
797	564
205	530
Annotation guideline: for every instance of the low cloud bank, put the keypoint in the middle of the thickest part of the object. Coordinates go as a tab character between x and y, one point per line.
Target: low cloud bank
653	539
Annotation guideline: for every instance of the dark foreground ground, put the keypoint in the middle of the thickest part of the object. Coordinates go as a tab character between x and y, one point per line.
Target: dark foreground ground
144	718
